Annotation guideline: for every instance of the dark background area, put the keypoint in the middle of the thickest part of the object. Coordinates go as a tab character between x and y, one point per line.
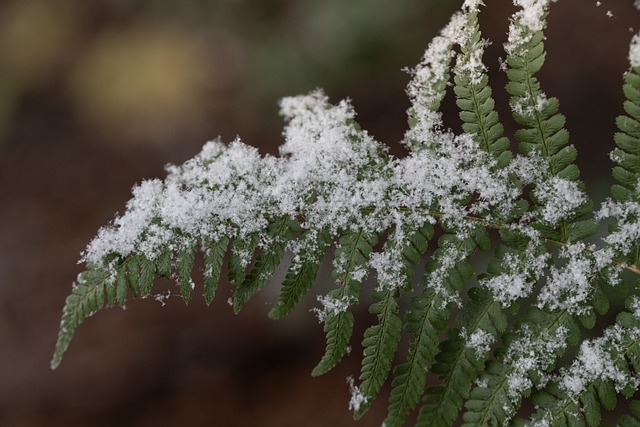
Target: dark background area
98	95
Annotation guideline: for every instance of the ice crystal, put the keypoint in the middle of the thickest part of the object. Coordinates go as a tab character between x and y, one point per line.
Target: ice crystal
331	306
559	198
634	51
533	351
479	341
627	234
569	287
525	22
600	358
357	398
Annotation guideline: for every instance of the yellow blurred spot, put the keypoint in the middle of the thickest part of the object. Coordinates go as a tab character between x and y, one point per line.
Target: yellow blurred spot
140	83
33	37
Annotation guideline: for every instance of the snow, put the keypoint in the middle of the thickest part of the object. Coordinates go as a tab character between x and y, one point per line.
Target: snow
569	287
331	306
600	358
473	5
357	398
559	198
520	273
634	50
627	234
532	352
525	22
479	341
425	89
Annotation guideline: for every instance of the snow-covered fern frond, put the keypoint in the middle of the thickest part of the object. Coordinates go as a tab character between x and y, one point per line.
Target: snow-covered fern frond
501	339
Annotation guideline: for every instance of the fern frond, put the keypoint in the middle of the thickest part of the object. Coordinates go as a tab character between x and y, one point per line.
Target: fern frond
381	340
474	96
141	274
184	264
627	155
350	265
444	276
558	196
429	84
604	366
333	184
87	296
380	344
490	403
213	262
279	233
460	357
242	250
302	272
425	321
522	364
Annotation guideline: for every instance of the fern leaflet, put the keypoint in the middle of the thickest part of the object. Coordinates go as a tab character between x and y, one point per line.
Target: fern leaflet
349	268
87	297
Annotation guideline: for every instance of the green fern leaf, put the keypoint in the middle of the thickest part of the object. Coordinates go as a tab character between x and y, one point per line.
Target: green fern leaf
141	275
184	264
279	233
488	404
381	340
242	250
213	260
121	285
425	321
380	344
338	327
474	98
351	256
87	297
454	364
457	364
300	277
163	264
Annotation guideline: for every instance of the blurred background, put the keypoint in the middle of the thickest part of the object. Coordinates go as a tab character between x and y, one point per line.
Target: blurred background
98	95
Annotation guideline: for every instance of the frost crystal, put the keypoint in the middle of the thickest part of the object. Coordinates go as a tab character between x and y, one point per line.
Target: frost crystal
627	234
520	274
526	22
479	341
601	358
634	51
559	198
569	287
357	398
331	306
531	353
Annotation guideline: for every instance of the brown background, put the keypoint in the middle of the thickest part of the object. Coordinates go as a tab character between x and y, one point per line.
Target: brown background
98	95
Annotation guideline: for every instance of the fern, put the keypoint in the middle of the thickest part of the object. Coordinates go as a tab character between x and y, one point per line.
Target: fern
500	332
351	254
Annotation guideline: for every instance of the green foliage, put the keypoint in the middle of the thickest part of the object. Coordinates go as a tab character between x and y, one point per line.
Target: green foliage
523	325
353	251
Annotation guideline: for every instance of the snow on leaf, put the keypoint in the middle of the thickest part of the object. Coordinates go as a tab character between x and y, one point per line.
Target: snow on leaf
357	398
559	198
331	306
598	359
533	351
480	341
